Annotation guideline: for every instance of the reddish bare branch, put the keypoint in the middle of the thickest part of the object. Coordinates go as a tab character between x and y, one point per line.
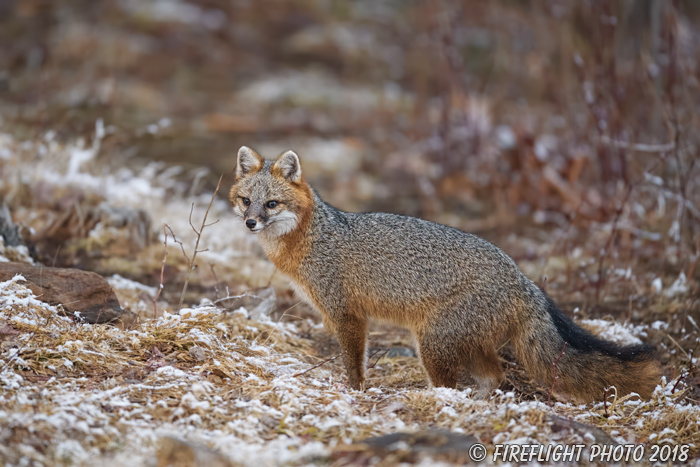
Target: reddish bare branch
554	371
222	180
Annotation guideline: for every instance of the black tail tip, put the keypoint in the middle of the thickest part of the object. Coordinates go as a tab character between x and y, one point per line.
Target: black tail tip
582	340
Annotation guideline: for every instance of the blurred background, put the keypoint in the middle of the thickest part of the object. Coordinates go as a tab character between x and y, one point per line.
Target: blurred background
564	131
571	124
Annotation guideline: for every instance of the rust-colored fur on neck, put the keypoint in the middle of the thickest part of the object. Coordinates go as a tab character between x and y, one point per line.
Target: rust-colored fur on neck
289	250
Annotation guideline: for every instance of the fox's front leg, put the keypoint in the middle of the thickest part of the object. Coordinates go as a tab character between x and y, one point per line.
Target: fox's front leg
351	332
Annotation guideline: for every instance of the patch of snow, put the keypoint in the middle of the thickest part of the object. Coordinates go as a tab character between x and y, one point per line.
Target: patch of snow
615	332
118	282
679	286
171	372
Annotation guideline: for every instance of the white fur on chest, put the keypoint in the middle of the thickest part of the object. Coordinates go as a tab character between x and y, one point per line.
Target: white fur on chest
300	292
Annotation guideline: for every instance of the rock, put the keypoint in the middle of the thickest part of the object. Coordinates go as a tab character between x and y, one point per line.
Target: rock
82	294
259	303
564	424
266	303
393	352
8	230
8	336
411	447
197	353
175	452
12	247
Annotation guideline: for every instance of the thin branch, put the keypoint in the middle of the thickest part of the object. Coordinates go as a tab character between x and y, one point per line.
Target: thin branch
608	244
222	180
687	355
378	358
689	370
278	321
190	219
209	225
640	147
554	371
233	297
53	265
605	402
182	247
316	366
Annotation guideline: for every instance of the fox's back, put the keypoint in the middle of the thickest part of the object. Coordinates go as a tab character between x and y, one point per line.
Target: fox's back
389	260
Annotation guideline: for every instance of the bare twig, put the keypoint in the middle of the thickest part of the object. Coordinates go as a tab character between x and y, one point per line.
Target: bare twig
680	378
222	180
691	366
605	401
182	247
233	297
554	371
687	355
378	358
614	401
315	366
601	259
53	265
278	321
99	313
641	147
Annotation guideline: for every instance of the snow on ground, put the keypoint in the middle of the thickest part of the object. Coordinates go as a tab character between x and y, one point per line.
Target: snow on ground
74	393
623	334
81	394
18	253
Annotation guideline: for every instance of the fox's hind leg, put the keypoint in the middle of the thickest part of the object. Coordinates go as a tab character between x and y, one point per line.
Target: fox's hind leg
485	366
441	358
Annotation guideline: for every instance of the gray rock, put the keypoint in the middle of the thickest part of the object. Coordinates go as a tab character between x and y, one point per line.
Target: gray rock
412	447
559	424
393	352
197	353
8	230
259	303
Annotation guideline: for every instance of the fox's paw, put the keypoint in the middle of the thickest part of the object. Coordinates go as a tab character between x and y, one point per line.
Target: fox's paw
357	384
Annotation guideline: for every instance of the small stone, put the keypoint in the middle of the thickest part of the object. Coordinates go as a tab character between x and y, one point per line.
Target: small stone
197	353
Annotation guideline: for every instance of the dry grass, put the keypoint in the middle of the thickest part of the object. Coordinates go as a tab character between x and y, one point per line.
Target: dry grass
72	392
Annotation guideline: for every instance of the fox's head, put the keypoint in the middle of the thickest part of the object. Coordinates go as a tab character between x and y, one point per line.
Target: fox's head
271	197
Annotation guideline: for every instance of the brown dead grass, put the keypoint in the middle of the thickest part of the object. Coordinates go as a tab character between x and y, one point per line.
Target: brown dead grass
242	361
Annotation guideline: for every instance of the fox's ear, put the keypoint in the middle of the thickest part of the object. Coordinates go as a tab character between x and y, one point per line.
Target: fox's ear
287	166
249	161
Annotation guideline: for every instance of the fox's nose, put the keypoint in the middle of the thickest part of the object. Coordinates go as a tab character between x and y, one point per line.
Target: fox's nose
250	223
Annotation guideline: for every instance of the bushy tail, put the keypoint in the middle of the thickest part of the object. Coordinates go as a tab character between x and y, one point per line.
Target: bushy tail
585	364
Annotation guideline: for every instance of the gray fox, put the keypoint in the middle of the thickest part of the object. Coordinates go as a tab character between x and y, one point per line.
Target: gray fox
461	296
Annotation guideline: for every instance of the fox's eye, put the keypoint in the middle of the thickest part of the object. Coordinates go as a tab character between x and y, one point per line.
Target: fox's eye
246	201
272	204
